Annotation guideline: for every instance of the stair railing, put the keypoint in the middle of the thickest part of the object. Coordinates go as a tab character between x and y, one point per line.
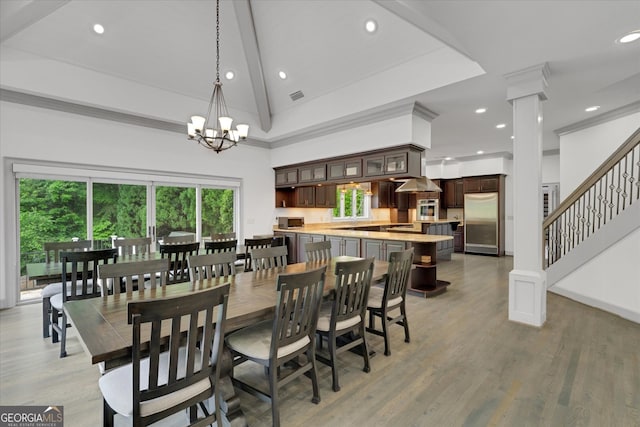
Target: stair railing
606	193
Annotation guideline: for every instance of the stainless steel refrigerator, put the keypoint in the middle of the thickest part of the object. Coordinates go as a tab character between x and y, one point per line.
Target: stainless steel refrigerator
481	223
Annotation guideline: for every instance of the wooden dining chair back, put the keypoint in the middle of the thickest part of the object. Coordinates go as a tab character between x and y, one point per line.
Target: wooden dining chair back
208	266
221	246
160	383
345	314
318	251
133	276
217	237
392	298
52	254
179	239
250	245
79	274
273	257
290	334
52	249
137	247
177	255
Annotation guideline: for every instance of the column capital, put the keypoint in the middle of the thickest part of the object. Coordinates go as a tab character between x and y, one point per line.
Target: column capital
527	82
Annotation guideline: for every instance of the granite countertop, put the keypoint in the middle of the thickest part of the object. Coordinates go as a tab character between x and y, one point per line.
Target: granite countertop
380	235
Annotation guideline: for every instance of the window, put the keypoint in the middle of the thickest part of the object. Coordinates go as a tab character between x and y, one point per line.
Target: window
60	204
118	210
354	201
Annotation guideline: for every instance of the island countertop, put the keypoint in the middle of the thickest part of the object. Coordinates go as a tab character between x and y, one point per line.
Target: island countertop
379	235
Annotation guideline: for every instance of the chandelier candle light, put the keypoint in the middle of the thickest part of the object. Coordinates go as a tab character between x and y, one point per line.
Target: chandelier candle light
221	137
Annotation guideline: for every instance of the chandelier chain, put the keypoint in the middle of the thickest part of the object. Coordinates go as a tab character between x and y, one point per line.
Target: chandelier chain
217	41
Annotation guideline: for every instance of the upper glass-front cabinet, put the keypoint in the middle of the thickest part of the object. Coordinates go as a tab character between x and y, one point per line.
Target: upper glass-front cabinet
345	169
390	164
313	173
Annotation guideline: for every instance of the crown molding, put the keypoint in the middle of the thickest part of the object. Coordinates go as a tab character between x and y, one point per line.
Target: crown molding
625	110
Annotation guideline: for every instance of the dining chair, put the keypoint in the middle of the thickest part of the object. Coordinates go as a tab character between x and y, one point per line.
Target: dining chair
288	336
52	254
115	277
221	246
318	251
133	247
178	254
216	237
220	264
263	258
81	284
179	239
345	314
163	380
383	301
251	244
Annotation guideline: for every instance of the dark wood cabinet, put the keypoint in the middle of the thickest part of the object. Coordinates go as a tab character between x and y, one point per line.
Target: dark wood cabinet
344	169
305	197
312	173
384	194
399	163
481	184
285	198
454	193
326	196
286	177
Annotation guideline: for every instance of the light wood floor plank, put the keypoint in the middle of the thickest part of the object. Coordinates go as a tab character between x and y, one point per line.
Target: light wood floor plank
466	365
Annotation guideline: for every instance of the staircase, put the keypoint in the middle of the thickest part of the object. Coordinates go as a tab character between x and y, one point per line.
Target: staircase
592	240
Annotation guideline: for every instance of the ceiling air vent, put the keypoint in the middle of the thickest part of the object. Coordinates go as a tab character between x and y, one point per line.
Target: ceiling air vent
296	95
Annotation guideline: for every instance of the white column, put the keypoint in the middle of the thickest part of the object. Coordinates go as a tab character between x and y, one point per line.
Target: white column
527	280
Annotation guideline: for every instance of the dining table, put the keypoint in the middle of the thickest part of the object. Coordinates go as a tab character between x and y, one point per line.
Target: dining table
105	334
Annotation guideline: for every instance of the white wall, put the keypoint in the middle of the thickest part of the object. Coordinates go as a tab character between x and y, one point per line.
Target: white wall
581	152
551	169
609	281
400	130
30	133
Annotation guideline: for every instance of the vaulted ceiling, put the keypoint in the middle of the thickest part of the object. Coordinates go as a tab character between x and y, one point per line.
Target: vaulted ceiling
157	60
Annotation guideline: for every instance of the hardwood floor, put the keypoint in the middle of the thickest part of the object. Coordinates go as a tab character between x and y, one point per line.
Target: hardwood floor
466	365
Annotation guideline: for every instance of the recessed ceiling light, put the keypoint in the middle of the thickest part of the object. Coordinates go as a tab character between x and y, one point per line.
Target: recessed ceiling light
630	37
592	108
501	126
98	29
371	26
448	158
513	137
229	75
282	74
479	152
481	110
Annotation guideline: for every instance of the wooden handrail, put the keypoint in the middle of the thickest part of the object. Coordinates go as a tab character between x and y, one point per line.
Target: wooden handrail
622	151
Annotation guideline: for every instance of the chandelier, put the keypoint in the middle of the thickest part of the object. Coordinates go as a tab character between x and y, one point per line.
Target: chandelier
214	131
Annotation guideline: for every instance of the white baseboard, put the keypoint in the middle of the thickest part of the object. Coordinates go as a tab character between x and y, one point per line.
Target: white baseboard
592	302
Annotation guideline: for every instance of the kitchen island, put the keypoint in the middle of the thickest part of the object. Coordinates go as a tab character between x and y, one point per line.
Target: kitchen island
377	244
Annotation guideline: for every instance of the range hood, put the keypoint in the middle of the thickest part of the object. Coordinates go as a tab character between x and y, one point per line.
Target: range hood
415	185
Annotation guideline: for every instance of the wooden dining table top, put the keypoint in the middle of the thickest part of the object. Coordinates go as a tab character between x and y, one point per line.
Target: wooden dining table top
106	335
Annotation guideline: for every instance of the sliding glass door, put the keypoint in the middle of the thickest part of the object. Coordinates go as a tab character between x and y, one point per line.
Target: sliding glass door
119	210
54	209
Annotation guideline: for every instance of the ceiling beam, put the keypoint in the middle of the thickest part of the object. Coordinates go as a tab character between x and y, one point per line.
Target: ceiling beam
12	22
254	61
408	12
